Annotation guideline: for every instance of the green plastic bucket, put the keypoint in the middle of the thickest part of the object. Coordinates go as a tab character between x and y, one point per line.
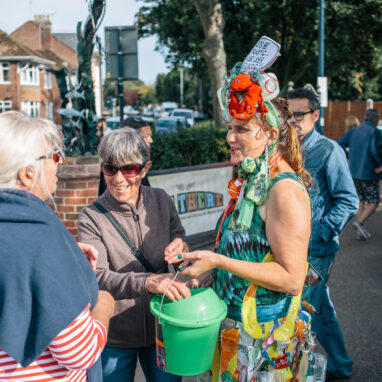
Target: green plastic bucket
187	332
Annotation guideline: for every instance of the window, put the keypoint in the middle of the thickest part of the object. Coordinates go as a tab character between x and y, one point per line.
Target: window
5	106
31	108
49	111
5	73
29	75
48	80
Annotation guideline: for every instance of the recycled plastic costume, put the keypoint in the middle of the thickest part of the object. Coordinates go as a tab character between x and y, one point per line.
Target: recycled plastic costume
266	330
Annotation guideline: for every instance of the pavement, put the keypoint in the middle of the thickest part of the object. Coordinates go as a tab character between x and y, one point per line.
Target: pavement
356	291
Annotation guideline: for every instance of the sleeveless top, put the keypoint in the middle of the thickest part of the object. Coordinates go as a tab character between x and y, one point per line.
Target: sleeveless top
250	246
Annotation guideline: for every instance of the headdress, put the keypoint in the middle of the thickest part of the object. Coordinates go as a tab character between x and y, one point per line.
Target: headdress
246	93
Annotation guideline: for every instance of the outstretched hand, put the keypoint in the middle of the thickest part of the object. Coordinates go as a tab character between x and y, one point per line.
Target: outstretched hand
197	262
91	254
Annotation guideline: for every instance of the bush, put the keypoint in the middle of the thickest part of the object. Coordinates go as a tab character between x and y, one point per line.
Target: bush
189	147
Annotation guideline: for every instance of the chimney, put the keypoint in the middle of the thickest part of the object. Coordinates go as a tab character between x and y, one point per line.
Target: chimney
45	30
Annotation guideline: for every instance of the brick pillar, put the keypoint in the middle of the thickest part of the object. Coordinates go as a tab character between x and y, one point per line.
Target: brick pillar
78	179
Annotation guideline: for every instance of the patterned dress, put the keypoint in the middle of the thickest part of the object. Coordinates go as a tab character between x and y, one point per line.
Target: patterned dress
252	356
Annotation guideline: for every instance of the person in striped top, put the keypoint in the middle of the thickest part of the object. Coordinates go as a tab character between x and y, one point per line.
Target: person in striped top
53	319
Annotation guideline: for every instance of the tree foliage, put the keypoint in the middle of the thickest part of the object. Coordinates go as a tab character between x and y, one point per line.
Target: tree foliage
353	31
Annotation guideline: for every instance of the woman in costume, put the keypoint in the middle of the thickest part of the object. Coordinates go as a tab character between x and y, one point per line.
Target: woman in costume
48	290
263	236
131	247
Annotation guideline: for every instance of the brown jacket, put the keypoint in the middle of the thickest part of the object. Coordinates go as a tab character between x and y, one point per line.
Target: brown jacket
151	226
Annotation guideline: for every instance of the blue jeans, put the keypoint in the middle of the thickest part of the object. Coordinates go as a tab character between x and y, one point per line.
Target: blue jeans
118	364
326	324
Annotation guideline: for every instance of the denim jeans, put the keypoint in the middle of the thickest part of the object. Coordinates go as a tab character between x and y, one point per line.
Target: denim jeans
119	364
326	324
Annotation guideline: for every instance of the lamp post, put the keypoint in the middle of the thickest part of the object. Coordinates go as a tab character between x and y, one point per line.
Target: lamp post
321	80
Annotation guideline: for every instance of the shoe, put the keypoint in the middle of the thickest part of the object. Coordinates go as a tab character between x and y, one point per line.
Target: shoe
364	234
331	377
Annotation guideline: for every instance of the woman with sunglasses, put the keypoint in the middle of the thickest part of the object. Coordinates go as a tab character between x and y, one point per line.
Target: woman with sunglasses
48	290
263	236
132	268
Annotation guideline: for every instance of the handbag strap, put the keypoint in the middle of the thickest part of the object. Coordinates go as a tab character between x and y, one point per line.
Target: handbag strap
134	250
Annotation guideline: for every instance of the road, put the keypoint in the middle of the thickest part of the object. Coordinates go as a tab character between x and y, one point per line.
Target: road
356	291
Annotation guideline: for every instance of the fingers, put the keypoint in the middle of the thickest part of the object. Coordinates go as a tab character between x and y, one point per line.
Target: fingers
176	246
193	283
175	290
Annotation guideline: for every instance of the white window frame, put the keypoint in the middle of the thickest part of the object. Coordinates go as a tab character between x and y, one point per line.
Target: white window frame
48	80
5	67
29	75
5	106
32	108
49	111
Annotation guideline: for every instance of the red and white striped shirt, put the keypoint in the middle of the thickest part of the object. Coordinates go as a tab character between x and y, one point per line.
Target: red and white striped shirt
67	357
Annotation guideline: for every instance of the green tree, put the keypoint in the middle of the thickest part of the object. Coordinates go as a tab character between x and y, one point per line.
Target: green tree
352	39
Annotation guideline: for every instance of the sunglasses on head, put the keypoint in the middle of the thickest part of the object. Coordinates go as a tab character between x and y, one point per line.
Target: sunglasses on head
55	155
128	170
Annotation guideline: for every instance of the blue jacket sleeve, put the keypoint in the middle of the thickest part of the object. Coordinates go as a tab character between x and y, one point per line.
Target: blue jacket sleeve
342	190
344	140
376	147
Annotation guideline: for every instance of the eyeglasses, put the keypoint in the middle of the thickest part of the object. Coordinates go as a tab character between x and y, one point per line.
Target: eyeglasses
55	155
299	115
128	170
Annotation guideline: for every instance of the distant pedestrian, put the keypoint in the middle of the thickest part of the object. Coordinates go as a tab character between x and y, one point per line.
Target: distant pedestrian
350	122
335	202
365	166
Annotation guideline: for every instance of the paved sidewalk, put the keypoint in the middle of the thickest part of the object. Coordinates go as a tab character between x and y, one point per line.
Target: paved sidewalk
356	290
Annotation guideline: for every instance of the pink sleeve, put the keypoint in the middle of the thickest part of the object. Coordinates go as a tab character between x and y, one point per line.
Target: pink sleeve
79	345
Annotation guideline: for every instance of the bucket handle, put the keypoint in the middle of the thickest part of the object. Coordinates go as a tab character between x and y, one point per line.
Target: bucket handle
164	294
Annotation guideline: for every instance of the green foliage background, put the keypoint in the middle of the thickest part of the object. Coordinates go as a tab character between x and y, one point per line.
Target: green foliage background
189	147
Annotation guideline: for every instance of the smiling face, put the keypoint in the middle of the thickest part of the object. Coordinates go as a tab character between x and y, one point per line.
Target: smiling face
246	139
125	189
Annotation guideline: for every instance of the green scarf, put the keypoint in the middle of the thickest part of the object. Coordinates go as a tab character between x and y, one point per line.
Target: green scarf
256	175
257	179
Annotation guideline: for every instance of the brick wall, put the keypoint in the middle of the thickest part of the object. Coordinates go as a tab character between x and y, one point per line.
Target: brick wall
78	179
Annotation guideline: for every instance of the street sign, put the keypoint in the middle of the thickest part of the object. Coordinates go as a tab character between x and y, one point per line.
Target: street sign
123	42
322	87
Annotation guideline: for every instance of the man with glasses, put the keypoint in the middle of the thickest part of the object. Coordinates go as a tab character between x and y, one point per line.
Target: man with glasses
334	201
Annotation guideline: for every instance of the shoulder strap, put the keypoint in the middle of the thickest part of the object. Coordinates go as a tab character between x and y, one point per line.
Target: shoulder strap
134	250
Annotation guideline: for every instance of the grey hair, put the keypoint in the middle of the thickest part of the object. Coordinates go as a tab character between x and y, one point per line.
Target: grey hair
122	146
371	115
22	140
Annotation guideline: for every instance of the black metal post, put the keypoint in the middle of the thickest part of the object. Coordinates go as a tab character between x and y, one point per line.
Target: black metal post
120	76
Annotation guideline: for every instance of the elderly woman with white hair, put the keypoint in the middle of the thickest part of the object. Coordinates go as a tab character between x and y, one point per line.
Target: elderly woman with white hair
48	290
132	227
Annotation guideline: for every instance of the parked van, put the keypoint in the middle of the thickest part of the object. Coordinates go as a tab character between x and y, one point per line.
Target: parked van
167	107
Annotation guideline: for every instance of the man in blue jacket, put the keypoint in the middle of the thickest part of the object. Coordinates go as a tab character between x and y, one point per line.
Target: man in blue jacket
365	164
335	202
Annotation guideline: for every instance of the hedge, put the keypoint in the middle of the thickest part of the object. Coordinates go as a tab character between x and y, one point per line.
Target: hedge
189	146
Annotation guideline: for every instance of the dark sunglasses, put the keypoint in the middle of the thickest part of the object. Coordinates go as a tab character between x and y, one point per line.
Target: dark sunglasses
299	115
55	155
128	170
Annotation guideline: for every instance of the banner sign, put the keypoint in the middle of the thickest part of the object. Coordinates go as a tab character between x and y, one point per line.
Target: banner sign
199	193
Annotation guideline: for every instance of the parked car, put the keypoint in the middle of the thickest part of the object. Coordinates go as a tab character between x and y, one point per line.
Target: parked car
186	113
129	111
167	108
169	124
113	122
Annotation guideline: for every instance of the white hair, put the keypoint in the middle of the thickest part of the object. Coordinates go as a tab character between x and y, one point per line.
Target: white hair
122	146
22	141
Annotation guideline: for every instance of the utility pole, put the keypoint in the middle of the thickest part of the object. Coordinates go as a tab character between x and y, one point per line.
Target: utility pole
181	87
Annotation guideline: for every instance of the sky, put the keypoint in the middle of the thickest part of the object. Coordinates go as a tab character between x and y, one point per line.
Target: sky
64	15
